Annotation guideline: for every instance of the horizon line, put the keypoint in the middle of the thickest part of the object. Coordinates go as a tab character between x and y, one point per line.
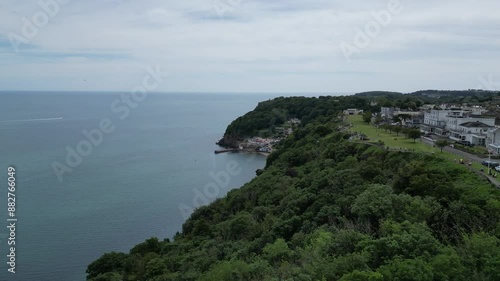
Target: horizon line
240	92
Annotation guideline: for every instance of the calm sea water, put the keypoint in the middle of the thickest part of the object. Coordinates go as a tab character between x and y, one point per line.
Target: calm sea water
126	190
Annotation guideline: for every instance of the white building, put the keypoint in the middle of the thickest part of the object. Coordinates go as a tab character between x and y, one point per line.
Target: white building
353	111
411	118
460	125
493	140
387	112
471	132
465	127
435	121
453	122
475	110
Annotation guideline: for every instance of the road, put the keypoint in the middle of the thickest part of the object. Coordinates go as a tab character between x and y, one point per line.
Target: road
459	153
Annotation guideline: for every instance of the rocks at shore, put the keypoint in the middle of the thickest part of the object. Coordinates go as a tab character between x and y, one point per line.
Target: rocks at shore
229	142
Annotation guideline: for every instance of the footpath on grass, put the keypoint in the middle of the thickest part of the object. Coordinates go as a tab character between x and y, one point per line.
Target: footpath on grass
398	142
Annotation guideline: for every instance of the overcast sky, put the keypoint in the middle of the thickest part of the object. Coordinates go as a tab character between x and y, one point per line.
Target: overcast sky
250	45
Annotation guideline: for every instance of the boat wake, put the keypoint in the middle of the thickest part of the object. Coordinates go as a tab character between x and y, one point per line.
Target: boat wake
33	120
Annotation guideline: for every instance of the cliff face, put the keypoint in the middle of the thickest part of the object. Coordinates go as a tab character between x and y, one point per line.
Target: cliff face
229	141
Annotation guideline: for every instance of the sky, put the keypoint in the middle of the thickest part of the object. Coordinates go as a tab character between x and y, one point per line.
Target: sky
250	45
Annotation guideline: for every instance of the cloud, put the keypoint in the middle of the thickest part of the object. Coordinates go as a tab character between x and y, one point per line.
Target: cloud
264	46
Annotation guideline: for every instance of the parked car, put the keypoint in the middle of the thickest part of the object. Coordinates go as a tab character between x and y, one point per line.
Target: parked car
465	143
497	168
490	164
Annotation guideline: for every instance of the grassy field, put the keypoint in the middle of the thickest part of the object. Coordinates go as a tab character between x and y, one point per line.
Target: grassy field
395	141
390	139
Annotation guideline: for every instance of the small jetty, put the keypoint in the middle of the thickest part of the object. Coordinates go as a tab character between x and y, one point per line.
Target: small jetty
227	150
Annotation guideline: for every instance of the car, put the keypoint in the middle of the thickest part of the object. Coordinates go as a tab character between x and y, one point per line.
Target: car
465	143
490	164
497	168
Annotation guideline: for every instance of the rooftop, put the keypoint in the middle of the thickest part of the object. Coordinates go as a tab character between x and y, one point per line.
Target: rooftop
475	125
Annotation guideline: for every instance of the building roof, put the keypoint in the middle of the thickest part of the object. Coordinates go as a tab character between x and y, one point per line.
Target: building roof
475	125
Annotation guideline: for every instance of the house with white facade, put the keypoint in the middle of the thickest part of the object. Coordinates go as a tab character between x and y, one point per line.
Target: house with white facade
493	141
353	111
410	118
435	122
387	112
459	125
474	133
474	110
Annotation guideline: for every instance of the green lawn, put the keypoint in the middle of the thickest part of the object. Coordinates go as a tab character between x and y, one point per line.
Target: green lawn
390	139
393	140
396	142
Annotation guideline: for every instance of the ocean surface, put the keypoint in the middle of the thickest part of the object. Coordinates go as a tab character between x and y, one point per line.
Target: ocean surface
133	183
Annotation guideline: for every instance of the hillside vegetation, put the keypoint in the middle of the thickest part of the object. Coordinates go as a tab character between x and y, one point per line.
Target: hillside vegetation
326	208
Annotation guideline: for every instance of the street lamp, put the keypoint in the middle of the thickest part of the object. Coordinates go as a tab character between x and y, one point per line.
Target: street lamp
489	161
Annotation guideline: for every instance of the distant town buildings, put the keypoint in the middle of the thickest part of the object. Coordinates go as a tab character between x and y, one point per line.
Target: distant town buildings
464	124
387	112
265	144
407	118
353	111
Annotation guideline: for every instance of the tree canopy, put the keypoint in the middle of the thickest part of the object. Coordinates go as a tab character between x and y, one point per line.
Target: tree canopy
414	134
442	143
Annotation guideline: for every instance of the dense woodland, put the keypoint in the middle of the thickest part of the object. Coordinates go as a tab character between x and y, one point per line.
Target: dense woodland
326	208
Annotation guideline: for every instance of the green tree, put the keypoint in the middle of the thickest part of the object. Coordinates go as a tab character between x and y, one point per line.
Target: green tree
408	270
228	271
277	252
481	252
374	203
414	134
397	130
442	143
110	262
411	105
405	131
447	266
362	276
108	276
367	117
150	245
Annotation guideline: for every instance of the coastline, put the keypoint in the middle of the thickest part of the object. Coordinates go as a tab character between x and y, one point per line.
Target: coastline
234	146
234	150
257	145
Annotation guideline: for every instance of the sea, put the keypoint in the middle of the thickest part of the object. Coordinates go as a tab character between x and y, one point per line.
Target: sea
102	172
